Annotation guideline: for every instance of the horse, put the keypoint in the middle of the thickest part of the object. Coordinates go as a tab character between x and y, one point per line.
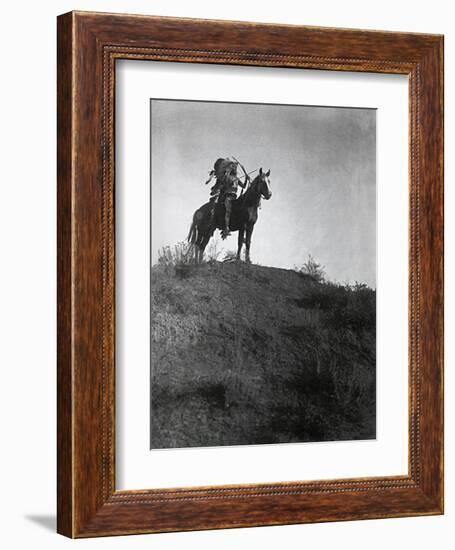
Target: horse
244	215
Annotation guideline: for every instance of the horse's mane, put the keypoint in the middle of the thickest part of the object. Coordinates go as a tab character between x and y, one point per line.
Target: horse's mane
249	190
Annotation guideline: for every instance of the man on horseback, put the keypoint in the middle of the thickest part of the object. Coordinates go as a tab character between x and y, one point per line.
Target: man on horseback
225	189
244	212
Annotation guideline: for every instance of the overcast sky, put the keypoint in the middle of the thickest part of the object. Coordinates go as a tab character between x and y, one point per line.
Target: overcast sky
323	176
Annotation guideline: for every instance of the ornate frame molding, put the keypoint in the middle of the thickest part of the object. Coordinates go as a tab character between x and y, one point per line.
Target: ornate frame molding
89	44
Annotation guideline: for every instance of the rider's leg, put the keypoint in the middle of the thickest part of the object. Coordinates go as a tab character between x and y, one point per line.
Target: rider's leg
227	217
240	242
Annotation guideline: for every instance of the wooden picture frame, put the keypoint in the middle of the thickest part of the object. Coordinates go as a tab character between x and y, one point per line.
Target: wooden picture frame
88	46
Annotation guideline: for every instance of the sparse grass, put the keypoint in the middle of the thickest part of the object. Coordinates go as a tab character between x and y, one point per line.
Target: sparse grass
177	259
230	256
214	250
180	253
244	354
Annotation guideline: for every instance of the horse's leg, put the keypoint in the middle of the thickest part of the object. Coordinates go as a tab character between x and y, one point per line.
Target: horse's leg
200	232
193	252
204	242
249	232
201	248
201	254
203	239
196	246
240	242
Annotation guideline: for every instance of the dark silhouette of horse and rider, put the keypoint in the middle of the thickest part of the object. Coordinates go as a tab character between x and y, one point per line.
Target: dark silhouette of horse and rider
227	212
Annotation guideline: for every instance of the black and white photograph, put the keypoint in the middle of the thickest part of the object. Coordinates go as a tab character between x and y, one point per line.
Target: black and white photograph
263	274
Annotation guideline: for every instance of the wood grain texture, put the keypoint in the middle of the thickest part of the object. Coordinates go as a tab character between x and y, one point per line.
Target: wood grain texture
65	480
88	45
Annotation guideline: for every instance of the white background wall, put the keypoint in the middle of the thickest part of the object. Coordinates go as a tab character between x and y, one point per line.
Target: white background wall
27	273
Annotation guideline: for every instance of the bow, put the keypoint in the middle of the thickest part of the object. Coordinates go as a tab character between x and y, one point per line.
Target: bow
247	176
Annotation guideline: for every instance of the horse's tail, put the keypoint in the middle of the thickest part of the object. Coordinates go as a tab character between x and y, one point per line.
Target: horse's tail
192	235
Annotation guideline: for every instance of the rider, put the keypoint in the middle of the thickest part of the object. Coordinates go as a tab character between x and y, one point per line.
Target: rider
219	169
225	188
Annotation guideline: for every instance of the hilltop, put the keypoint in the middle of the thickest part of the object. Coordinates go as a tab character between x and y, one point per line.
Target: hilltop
246	354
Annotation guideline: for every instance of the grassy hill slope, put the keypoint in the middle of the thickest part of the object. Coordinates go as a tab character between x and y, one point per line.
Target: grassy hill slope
245	354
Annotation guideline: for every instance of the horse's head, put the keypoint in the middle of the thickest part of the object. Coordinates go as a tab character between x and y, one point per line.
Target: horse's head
264	184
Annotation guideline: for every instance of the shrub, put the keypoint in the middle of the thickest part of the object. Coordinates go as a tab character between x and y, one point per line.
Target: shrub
178	259
359	310
312	269
171	256
326	296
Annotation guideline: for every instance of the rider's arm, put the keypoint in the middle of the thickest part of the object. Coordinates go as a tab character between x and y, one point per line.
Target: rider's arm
242	183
